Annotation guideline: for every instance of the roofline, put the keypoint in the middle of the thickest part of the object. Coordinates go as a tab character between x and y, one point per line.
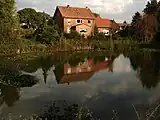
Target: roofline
78	17
92	18
75	7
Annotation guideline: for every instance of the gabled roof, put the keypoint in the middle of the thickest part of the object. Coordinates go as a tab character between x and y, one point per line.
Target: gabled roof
75	12
103	23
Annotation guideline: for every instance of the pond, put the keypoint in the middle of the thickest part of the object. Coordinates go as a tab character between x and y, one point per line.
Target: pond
107	83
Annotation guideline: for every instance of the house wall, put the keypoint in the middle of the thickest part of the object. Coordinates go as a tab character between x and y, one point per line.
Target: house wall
101	30
83	26
68	23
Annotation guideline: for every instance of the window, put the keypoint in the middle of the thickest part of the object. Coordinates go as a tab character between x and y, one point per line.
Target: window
89	21
78	21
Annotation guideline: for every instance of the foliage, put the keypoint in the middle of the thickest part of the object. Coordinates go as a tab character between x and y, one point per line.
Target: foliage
144	28
125	22
32	18
151	7
47	35
41	26
136	18
96	32
9	29
96	14
73	35
158	22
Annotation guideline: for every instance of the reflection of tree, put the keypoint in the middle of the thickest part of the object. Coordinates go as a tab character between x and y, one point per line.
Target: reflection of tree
12	77
149	68
11	81
9	94
43	62
59	72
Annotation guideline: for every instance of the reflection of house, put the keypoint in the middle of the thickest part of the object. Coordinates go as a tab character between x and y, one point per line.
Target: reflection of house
70	19
81	72
106	26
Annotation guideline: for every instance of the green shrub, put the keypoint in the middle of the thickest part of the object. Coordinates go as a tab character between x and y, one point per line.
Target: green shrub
73	35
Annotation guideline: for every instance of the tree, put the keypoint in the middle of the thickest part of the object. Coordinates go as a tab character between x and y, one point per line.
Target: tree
125	22
46	34
9	29
148	27
135	25
96	14
151	7
96	32
158	21
32	18
136	18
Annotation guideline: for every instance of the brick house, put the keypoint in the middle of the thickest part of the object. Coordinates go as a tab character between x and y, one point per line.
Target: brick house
70	19
106	26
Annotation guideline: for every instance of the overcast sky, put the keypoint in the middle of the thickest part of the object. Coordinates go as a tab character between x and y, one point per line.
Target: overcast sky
119	10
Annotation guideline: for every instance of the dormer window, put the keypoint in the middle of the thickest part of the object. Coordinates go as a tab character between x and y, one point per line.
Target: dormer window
89	21
78	21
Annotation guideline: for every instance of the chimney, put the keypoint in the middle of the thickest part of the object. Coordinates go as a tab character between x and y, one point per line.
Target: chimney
67	6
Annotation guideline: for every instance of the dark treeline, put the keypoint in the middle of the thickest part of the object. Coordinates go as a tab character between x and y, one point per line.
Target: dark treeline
145	26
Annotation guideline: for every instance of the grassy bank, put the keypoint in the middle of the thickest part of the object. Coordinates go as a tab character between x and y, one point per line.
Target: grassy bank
69	45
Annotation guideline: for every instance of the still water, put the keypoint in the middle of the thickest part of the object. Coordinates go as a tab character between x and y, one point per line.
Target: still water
104	82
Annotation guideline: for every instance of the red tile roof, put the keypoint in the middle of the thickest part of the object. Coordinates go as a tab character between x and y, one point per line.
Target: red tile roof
103	23
74	12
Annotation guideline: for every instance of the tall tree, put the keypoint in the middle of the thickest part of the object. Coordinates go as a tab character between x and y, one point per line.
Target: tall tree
8	26
135	25
136	18
158	21
30	17
148	24
151	7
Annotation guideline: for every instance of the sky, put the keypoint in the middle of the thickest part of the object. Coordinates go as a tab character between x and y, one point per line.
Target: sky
119	10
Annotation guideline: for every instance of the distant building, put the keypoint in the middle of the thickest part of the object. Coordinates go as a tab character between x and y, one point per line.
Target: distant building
123	26
106	26
77	19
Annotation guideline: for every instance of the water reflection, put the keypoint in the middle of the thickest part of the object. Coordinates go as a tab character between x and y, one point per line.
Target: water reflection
10	82
99	80
82	66
83	71
148	68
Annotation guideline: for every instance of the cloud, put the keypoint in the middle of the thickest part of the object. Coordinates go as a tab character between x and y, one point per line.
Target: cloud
119	10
